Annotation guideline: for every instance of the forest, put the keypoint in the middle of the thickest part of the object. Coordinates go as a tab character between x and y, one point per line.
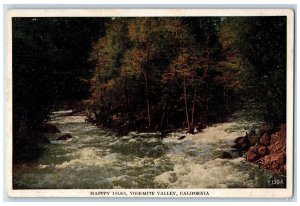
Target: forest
146	74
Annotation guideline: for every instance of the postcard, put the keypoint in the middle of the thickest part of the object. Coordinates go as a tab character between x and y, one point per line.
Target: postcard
167	103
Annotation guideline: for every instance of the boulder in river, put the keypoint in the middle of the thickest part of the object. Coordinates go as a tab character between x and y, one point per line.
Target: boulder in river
49	128
226	155
256	152
265	128
200	127
65	137
242	143
269	151
239	140
265	139
180	138
252	155
262	150
253	137
275	161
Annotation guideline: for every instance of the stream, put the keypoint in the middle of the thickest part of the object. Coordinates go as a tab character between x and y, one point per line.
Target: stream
97	158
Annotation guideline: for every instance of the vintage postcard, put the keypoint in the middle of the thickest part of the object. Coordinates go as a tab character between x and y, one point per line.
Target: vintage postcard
194	103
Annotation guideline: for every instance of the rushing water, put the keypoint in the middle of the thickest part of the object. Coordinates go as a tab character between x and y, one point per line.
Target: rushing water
98	158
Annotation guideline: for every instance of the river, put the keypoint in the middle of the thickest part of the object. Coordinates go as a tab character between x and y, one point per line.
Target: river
99	158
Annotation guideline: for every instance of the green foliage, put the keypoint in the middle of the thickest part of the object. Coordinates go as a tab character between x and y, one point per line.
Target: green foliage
182	71
50	65
146	83
260	47
147	73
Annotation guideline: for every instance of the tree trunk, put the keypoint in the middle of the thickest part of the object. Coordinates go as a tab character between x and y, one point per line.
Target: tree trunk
165	109
127	101
193	111
148	101
163	117
186	104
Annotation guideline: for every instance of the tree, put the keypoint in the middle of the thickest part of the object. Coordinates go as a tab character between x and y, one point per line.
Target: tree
155	73
186	65
49	66
260	45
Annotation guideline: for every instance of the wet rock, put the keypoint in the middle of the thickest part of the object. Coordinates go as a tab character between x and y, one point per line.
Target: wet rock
91	117
262	150
180	138
265	128
200	127
64	137
278	144
245	146
282	131
49	128
226	155
266	148
280	158
239	140
265	139
253	138
252	154
275	161
241	143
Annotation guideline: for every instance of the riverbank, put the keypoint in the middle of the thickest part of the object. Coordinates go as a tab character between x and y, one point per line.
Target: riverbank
266	148
100	158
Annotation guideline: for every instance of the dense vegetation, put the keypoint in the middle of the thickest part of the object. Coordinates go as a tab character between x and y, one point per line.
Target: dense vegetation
146	74
161	73
50	68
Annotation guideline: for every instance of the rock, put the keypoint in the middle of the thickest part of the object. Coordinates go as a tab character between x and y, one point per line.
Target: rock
49	128
265	128
274	138
226	155
251	156
253	138
251	133
241	143
253	153
245	146
280	158
239	140
64	137
282	131
280	135
275	160
180	138
262	150
200	127
278	144
265	139
91	117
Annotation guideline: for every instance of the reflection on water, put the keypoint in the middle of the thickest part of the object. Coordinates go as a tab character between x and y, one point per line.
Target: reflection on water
98	158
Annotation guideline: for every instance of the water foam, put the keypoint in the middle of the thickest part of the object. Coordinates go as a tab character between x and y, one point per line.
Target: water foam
68	119
216	173
96	158
88	157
